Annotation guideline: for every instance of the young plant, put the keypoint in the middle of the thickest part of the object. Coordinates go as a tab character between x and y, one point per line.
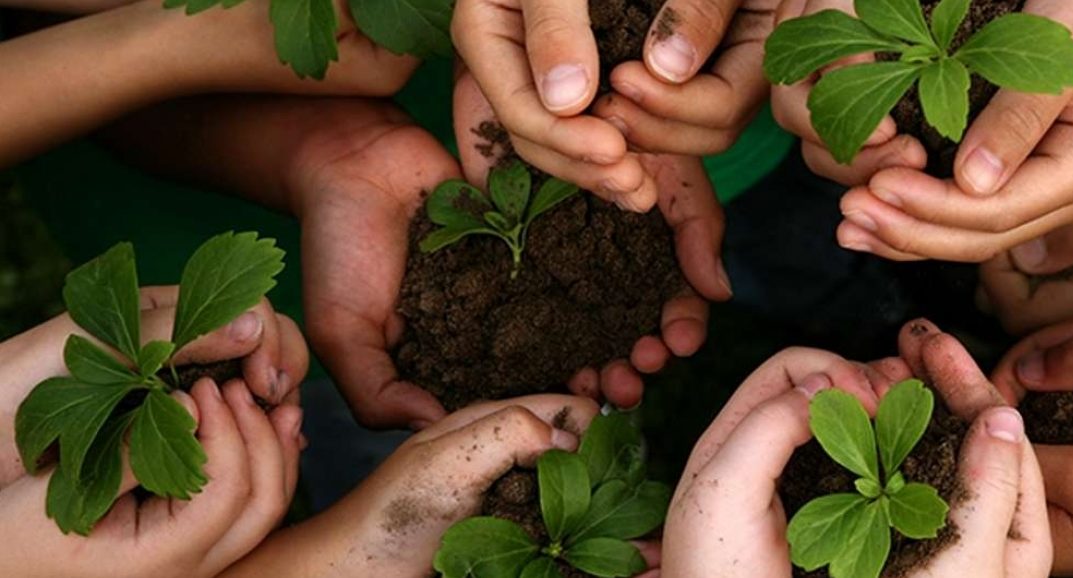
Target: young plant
592	502
1018	51
90	413
462	210
850	533
306	29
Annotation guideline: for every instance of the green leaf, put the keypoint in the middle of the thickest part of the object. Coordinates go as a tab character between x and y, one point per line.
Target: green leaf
842	427
849	103
89	363
819	529
69	410
918	512
1022	52
196	6
227	275
484	547
609	446
946	19
865	549
441	238
944	94
458	205
606	558
305	35
499	222
620	511
153	356
548	196
418	27
903	416
564	492
509	188
77	506
898	18
868	488
164	454
102	298
802	46
895	483
542	567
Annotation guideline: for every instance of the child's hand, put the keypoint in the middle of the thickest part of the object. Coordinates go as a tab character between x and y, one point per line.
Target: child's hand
1029	287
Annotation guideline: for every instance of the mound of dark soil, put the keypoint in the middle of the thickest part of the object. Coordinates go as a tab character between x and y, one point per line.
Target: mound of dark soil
1048	417
621	27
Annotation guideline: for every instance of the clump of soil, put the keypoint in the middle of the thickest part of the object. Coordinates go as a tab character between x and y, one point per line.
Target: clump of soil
909	115
1048	417
621	26
934	461
221	372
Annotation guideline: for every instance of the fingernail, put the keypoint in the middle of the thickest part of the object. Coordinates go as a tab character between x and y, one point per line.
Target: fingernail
565	86
563	440
859	246
1005	424
629	91
420	424
814	384
296	427
724	278
983	171
1031	254
862	220
599	159
281	386
613	189
247	397
887	196
215	389
245	327
619	124
1030	369
673	58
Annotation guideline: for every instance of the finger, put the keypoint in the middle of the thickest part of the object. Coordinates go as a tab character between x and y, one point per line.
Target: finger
885	373
789	106
235	340
651	550
1030	550
1054	462
262	369
1041	362
1023	303
649	354
951	370
621	385
287	422
567	412
562	54
683	36
585	383
1062	540
911	339
900	151
855	238
650	133
482	140
158	297
294	357
684	325
1052	253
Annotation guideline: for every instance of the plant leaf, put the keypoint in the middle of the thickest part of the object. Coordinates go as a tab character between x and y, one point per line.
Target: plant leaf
69	410
866	547
499	222
918	512
548	196
305	35
898	18
849	103
842	427
418	27
605	447
89	363
619	511
944	94
564	492
946	19
895	483
227	275
868	488
196	6
102	298
542	567
441	238
164	454
903	416
802	46
606	558
153	356
457	204
1022	52
509	188
484	547
819	529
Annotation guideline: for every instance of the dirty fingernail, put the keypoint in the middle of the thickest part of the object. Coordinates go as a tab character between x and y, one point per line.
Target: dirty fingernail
888	196
1005	424
1031	254
565	86
814	384
1030	368
862	220
983	171
563	440
245	327
673	58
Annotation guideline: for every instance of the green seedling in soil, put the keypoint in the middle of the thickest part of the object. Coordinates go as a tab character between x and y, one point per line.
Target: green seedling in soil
462	210
1020	52
851	533
107	399
306	29
592	502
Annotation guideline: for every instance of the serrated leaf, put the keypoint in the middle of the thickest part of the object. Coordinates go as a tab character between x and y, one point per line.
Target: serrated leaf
1022	52
620	511
457	204
866	547
305	35
102	298
902	418
441	238
153	356
898	18
605	444
68	410
418	27
548	196
918	512
946	19
842	427
819	529
564	492
226	276
484	547
542	567
164	454
848	104
89	363
509	188
802	46
944	95
606	558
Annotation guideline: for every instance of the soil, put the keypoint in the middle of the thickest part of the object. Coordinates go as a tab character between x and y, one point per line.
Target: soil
811	474
620	27
909	115
1048	417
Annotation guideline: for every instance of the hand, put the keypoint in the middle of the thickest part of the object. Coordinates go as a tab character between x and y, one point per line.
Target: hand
1028	287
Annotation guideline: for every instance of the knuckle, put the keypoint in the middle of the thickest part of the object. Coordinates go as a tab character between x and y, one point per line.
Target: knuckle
1022	124
549	25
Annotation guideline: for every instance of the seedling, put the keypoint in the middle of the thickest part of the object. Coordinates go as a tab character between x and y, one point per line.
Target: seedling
306	29
1021	52
592	502
92	411
463	210
851	533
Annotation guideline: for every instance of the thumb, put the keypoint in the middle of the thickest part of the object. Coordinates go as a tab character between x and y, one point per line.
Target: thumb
1046	255
562	54
684	35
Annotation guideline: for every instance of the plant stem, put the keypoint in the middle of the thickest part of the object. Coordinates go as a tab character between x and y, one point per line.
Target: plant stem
516	252
174	376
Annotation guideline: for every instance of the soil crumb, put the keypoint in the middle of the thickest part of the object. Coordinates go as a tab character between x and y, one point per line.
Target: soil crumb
1048	417
621	27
